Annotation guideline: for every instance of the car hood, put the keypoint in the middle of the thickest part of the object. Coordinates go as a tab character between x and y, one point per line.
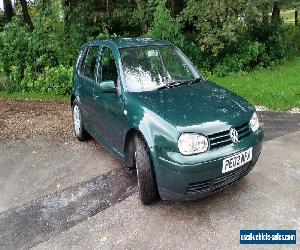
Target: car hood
197	106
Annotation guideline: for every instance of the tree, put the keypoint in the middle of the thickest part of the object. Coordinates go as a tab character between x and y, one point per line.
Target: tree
214	22
276	12
278	5
164	26
26	16
141	6
69	6
8	10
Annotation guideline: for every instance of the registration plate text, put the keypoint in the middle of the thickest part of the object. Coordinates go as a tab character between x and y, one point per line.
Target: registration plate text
237	160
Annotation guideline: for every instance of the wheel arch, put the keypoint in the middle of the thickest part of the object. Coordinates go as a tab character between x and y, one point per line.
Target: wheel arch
130	134
73	97
145	134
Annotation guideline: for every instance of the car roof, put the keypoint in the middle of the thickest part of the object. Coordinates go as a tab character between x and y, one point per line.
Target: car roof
128	42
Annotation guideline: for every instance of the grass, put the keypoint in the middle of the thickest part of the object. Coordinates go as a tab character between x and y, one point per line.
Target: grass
32	96
288	16
277	88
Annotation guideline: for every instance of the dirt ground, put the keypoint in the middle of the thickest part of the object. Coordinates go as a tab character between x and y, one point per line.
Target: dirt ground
30	119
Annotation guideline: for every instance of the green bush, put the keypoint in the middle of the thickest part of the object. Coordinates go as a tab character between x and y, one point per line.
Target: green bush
31	59
211	33
5	84
246	58
47	46
55	81
258	45
27	83
14	53
294	36
275	37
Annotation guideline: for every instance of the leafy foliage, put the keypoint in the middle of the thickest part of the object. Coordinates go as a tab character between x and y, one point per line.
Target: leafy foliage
246	57
164	26
216	22
219	36
14	41
57	81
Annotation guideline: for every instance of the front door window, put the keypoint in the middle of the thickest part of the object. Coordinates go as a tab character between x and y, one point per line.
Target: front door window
108	70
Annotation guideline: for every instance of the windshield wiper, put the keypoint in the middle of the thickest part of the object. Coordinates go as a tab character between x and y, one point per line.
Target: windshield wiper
177	83
199	79
169	85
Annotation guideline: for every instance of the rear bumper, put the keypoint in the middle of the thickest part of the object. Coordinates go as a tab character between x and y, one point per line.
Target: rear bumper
179	180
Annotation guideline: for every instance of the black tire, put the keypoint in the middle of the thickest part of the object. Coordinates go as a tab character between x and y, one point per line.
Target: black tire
145	173
81	134
130	153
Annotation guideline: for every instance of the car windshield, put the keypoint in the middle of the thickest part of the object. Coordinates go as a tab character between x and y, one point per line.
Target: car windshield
151	67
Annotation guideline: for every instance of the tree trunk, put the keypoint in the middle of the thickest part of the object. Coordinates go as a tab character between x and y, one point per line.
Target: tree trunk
276	12
26	15
8	10
296	17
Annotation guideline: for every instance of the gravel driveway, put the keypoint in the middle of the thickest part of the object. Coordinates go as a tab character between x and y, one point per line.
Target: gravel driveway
31	119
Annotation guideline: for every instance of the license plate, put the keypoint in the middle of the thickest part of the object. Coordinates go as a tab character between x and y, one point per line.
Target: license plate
237	160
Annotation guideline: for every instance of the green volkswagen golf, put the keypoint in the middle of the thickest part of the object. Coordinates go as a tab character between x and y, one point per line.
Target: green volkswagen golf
146	102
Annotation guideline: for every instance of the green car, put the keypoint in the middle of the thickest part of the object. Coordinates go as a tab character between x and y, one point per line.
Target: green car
147	103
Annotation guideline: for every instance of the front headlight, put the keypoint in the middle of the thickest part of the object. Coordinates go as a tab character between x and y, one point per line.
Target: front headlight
254	123
189	143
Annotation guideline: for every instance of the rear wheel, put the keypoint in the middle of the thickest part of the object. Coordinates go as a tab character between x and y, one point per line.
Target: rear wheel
80	133
145	173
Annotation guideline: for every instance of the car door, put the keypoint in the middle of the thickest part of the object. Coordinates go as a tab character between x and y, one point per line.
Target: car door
111	122
87	85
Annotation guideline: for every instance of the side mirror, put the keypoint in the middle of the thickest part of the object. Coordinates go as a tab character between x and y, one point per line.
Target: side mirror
107	87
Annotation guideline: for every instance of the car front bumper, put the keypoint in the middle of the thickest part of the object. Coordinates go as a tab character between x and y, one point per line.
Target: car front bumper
192	177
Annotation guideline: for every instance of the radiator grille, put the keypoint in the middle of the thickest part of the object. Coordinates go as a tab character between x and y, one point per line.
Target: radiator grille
222	139
220	182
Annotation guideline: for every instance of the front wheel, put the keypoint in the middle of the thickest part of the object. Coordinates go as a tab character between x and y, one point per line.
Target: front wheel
145	173
80	133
